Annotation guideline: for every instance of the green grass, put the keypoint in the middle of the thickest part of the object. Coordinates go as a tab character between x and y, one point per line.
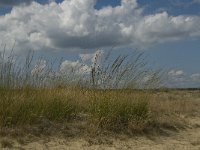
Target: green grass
112	110
118	112
102	95
28	106
105	109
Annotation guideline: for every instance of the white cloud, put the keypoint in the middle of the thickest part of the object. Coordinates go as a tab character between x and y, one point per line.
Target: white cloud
92	57
176	73
195	77
177	78
74	68
181	79
161	27
77	24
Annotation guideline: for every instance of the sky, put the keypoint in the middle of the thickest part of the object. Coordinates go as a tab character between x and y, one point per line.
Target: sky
167	31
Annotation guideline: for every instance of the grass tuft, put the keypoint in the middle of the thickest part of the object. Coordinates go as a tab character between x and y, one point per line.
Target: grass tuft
118	112
29	106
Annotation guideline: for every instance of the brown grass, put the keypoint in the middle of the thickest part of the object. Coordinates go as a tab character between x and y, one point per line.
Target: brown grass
6	143
83	111
53	103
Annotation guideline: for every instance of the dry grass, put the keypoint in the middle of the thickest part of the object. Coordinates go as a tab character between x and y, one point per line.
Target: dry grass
176	102
88	111
29	105
50	102
6	143
171	110
106	108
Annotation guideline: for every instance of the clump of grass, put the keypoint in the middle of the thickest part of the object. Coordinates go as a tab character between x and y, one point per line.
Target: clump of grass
119	112
108	109
5	143
28	106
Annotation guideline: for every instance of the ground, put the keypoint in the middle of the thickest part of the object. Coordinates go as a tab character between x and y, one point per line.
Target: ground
187	139
171	137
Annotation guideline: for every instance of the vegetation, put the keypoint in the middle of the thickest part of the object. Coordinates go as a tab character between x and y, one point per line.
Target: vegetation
106	99
107	109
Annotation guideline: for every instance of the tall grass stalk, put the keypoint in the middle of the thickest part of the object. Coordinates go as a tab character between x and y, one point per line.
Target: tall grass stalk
32	89
105	72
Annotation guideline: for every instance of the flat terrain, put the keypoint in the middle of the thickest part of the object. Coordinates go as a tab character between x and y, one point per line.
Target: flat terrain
176	128
187	139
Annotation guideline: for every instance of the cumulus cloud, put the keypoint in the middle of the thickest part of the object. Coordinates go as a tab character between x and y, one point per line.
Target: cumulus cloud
195	77
177	78
14	2
74	68
92	57
68	67
77	24
176	73
181	79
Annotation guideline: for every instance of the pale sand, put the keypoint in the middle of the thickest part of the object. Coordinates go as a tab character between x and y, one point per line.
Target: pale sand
186	139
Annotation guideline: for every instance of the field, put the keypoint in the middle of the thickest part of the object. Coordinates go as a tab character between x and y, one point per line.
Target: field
81	118
117	103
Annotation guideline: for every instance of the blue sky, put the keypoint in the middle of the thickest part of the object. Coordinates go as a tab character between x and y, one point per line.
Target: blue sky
174	7
169	39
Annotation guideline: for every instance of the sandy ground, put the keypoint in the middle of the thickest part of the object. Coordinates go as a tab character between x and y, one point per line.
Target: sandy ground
187	139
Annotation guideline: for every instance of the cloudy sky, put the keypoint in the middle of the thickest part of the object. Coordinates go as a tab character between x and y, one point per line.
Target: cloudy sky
168	31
